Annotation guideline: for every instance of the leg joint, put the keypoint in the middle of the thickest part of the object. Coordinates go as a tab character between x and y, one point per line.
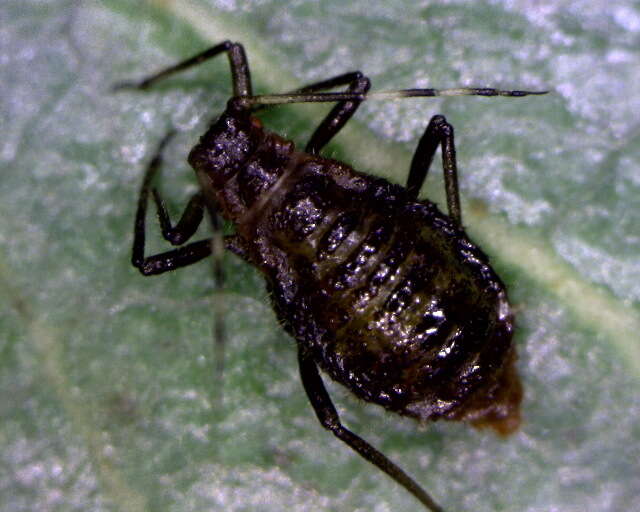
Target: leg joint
446	129
361	84
439	125
331	423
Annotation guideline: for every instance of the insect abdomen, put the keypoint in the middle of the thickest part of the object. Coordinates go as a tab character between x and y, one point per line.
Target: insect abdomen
395	301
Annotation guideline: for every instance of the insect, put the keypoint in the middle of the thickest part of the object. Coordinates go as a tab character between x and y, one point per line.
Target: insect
381	290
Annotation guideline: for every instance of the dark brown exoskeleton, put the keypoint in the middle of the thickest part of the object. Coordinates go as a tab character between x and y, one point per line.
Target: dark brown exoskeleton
381	290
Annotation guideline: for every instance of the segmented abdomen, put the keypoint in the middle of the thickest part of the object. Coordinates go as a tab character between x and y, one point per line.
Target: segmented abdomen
395	301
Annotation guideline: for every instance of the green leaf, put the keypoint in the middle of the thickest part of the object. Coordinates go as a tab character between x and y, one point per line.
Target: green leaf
107	378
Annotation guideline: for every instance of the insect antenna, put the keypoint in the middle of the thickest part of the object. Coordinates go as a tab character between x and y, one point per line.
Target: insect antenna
322	97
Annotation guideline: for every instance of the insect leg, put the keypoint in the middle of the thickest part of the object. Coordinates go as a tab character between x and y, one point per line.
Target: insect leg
240	75
188	223
328	417
177	258
185	228
340	113
330	83
438	132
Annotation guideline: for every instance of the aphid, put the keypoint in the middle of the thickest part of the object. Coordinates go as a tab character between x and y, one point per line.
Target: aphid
381	290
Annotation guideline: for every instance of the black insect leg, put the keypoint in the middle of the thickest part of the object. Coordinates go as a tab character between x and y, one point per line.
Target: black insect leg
328	416
186	255
330	83
340	113
438	132
178	258
188	223
185	228
240	76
